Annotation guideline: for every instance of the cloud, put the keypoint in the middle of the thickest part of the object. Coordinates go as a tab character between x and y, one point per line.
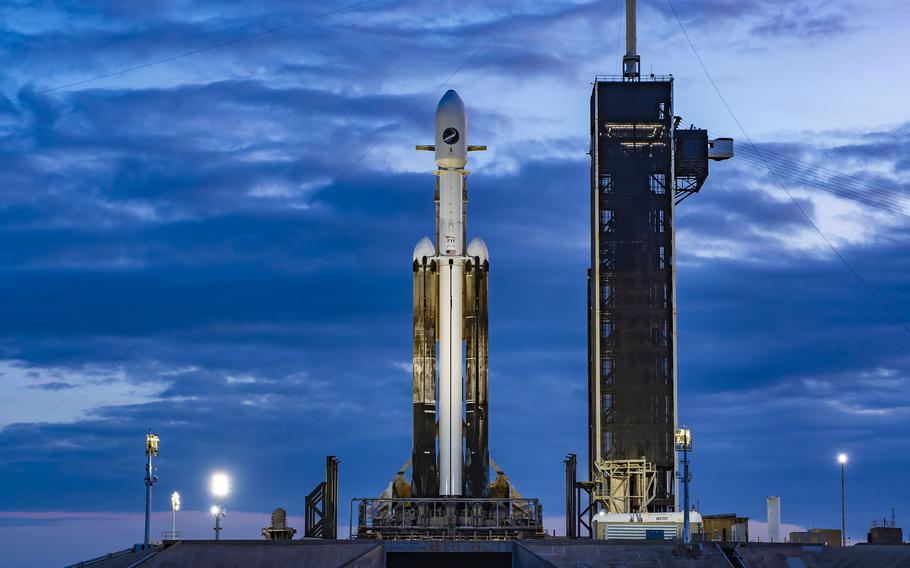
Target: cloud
801	22
53	386
758	21
178	247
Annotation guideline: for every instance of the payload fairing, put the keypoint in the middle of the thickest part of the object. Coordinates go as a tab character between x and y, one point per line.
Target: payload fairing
450	306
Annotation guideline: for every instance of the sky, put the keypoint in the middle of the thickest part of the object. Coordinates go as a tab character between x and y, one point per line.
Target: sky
217	247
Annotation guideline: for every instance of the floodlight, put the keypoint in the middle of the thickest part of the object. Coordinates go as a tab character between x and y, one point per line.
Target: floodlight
842	458
214	510
151	444
175	501
683	439
221	485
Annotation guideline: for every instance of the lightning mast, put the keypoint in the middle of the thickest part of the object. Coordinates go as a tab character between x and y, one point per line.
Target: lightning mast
151	450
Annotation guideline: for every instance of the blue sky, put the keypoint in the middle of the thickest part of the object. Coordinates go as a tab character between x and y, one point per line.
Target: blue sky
218	248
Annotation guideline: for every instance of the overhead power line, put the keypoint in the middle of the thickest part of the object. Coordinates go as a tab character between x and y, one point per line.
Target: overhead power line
780	183
236	264
190	53
834	182
863	181
900	206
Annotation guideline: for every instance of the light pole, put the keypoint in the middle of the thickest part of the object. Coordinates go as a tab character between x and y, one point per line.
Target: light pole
842	460
151	450
221	485
175	506
683	439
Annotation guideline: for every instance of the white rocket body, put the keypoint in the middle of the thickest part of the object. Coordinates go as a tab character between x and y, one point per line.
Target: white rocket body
450	259
451	157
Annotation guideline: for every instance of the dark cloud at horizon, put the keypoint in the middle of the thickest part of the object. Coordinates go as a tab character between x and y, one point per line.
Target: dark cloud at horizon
200	249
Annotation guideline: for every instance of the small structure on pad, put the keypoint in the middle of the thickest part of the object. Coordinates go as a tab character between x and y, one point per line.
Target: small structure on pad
725	527
321	513
279	529
885	531
827	537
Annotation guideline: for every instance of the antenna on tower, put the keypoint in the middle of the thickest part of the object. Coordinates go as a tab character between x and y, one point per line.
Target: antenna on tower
631	62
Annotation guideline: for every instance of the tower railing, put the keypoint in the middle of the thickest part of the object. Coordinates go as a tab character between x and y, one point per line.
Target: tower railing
621	79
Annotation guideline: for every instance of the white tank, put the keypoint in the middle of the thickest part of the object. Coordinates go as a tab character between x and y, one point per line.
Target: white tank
451	132
774	519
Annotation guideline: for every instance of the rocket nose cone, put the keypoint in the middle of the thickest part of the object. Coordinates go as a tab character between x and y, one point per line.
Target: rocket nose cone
451	131
450	102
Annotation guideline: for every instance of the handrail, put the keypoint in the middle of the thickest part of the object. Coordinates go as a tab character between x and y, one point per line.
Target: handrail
642	78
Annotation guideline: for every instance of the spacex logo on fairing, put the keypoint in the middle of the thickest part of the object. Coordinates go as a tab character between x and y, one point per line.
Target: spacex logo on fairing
450	136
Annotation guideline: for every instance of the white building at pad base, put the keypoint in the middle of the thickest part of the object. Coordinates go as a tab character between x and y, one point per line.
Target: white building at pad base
644	526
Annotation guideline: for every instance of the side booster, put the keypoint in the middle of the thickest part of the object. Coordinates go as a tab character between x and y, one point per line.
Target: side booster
450	307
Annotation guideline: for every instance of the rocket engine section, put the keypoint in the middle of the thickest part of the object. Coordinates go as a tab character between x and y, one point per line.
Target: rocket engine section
450	309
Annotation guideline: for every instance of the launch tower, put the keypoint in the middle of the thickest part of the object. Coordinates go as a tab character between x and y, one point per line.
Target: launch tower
642	166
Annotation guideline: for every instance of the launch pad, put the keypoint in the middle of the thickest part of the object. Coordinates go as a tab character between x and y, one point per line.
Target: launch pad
448	519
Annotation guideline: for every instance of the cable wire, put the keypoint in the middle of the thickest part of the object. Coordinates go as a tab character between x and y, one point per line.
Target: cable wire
809	220
237	263
883	202
846	175
838	181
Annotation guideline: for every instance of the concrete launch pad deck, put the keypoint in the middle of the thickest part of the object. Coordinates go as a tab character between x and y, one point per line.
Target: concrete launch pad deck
544	553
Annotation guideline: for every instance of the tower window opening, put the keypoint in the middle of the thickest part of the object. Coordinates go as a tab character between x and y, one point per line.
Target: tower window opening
606	370
608	408
606	220
606	183
606	293
658	221
658	184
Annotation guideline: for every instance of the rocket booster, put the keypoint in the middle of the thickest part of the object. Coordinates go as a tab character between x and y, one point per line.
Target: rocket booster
451	151
451	157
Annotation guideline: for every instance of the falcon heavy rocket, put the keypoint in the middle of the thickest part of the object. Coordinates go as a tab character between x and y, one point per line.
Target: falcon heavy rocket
450	307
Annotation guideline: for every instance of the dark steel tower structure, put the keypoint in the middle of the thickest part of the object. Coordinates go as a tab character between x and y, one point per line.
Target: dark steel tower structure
642	166
632	286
